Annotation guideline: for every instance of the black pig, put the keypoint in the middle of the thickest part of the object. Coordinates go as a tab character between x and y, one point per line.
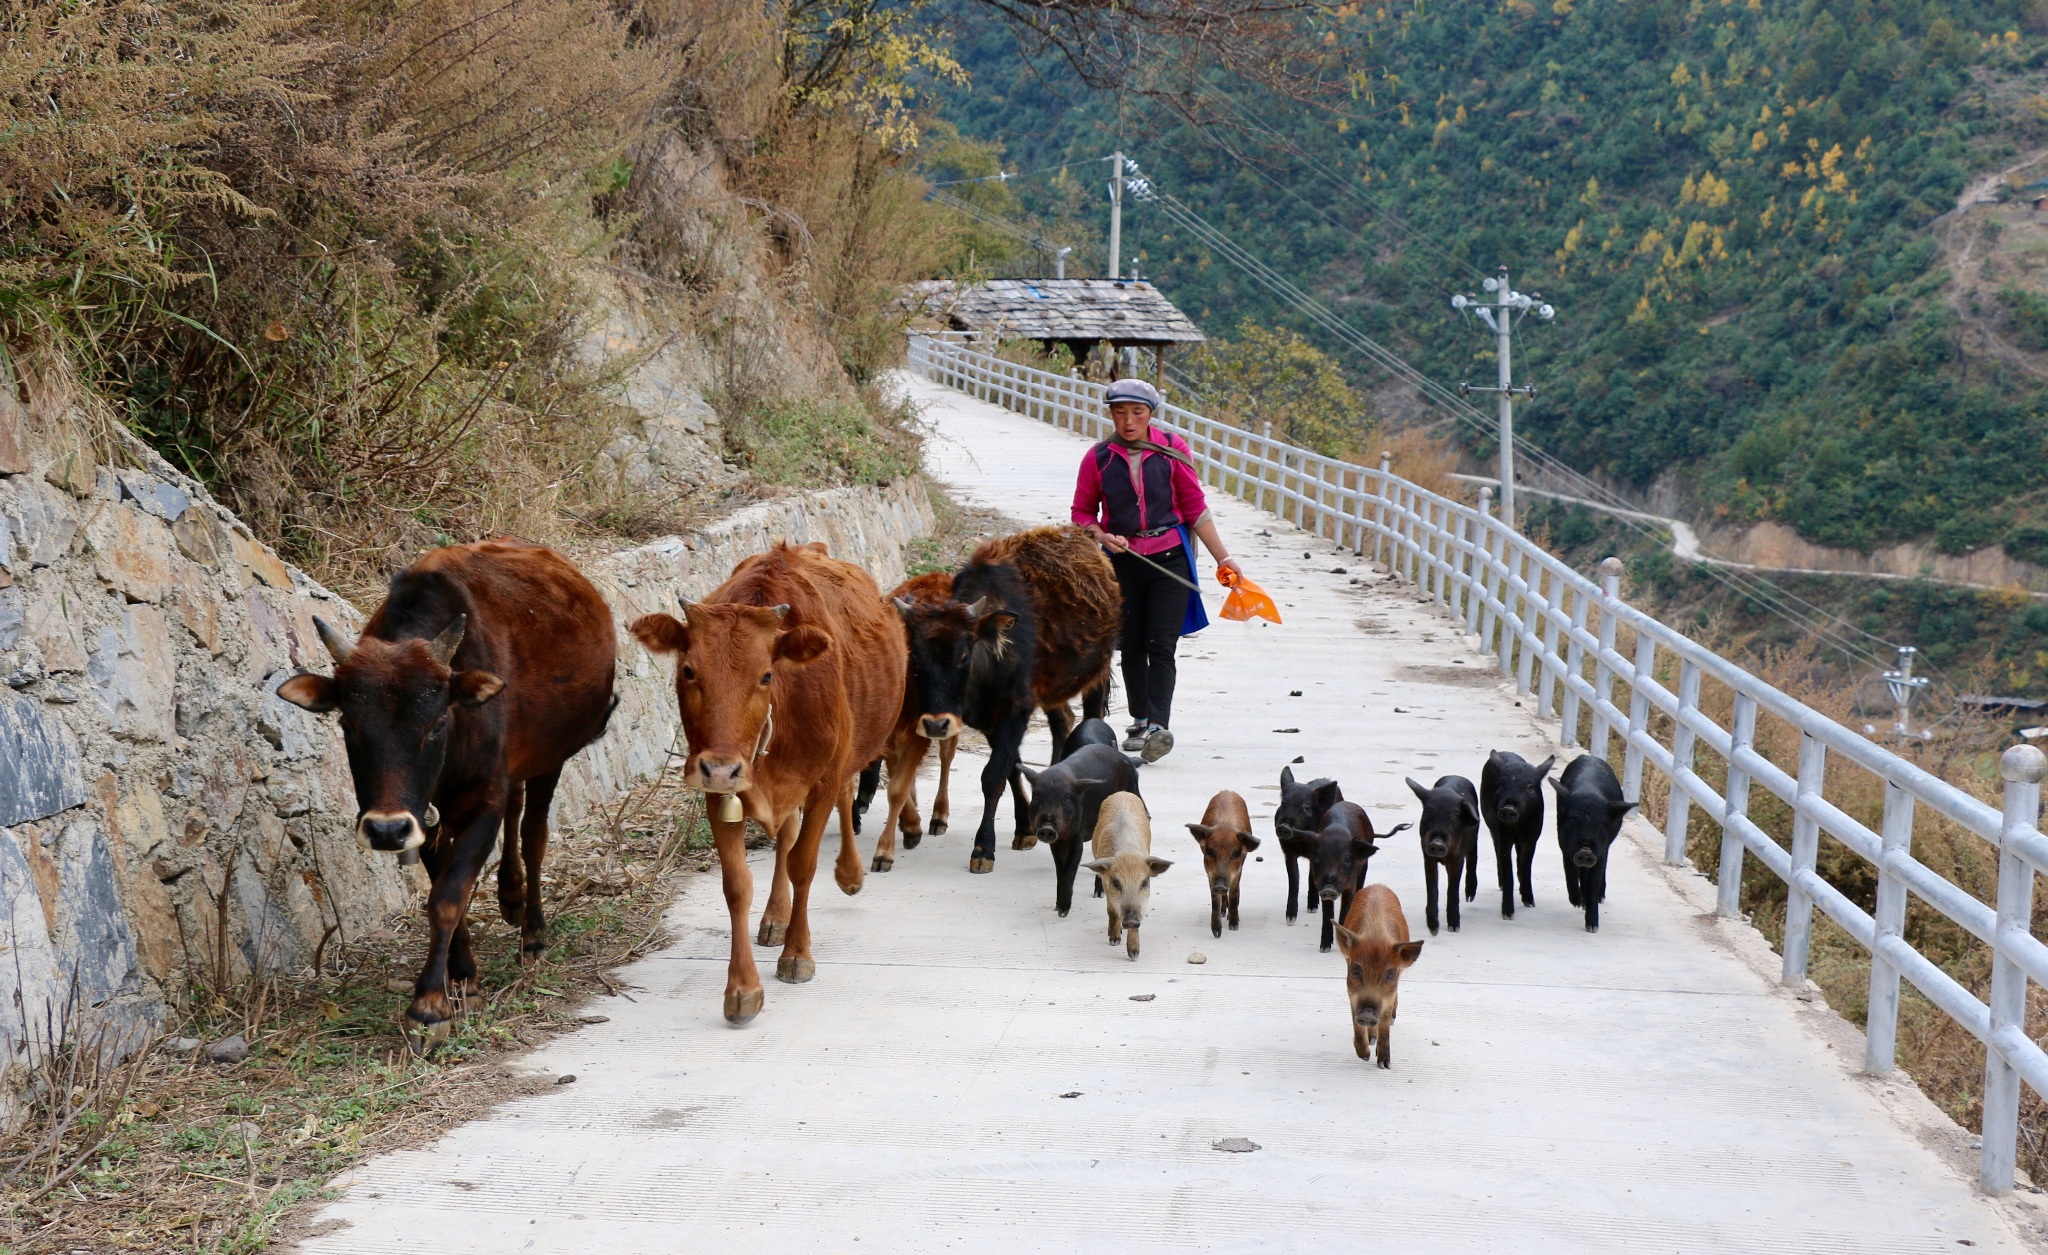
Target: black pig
1511	800
1090	732
1343	848
1296	823
1064	800
1450	838
1589	814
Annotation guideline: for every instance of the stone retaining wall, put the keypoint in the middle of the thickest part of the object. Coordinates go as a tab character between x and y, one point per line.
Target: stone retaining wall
165	818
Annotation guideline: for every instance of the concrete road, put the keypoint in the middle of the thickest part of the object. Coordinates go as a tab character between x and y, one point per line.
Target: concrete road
970	1072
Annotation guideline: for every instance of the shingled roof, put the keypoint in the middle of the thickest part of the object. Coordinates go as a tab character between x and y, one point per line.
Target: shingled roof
1122	312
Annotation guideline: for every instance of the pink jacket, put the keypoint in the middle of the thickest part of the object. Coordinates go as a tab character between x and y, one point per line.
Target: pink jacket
1188	499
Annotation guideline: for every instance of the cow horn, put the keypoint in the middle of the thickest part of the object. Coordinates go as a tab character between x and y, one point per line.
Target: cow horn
450	640
975	607
337	646
781	611
904	606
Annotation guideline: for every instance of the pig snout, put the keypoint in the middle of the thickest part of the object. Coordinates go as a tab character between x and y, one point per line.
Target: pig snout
1133	919
1367	1015
1510	813
1218	886
1584	858
1329	893
1437	847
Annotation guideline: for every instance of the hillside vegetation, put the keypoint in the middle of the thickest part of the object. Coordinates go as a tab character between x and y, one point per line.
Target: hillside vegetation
1729	201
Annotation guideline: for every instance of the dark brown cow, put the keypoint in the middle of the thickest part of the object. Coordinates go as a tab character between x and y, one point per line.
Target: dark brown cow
912	740
790	677
439	766
1043	604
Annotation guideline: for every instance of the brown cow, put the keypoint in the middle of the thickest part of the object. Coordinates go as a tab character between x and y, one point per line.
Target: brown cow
439	766
790	677
912	740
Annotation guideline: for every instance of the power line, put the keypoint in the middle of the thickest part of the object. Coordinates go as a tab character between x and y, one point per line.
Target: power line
1004	176
995	222
1802	614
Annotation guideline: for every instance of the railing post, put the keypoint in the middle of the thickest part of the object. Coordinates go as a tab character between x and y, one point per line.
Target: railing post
1813	767
1548	686
1505	649
2022	766
1881	1024
1485	555
1678	807
1603	676
1410	520
1638	717
1735	805
1265	457
1529	601
1461	586
1379	509
1575	667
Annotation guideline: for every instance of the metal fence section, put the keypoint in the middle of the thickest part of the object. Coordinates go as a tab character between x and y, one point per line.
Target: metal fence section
1532	612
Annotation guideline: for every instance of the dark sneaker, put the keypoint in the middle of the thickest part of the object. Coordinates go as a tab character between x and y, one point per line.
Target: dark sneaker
1135	735
1158	744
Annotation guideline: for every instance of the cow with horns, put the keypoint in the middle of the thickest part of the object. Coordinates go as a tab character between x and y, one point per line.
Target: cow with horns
1033	624
486	668
790	678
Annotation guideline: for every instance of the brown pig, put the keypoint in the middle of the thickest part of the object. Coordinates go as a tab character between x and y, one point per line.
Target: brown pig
1225	835
1125	865
1376	949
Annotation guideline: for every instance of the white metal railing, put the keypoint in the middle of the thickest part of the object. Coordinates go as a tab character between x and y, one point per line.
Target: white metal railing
1526	606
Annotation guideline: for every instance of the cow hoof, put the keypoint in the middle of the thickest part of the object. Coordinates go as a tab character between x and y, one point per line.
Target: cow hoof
425	1039
513	910
531	954
910	839
742	1006
771	932
848	885
938	827
1024	841
980	866
794	969
883	864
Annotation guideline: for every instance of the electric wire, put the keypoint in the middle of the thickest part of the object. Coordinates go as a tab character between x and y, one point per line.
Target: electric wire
1004	176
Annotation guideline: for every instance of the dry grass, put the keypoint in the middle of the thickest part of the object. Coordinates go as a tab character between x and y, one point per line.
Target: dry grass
168	1152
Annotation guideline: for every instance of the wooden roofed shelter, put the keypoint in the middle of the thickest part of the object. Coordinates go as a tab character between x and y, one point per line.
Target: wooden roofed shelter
1079	313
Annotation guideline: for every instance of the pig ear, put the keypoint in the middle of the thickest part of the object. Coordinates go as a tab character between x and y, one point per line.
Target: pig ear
1329	795
1287	777
1493	756
1420	792
1158	864
1559	786
1364	845
1100	866
1618	809
1030	776
1346	938
1466	808
1543	768
1407	952
1201	831
1247	840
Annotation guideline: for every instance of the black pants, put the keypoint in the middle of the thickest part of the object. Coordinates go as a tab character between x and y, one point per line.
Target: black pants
1155	606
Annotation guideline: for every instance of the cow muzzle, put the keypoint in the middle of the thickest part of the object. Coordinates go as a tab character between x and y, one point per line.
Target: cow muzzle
939	727
721	773
1584	859
392	831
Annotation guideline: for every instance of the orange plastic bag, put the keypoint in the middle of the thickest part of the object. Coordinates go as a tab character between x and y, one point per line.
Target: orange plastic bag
1246	599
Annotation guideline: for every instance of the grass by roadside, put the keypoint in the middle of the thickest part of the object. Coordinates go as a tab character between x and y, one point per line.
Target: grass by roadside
171	1152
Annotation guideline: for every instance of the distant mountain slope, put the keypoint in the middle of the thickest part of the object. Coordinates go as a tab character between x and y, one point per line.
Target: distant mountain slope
1733	206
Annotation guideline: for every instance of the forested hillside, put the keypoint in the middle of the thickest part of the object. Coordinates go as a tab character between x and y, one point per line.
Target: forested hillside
1732	204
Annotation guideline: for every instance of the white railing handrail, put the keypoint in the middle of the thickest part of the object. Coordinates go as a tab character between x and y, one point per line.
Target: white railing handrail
1532	611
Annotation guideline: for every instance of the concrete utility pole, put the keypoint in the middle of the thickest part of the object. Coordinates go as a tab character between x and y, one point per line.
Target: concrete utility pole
1116	210
1501	315
1905	688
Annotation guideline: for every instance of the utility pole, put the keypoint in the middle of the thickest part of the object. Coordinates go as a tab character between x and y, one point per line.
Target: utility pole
1116	210
1501	314
1059	263
1905	688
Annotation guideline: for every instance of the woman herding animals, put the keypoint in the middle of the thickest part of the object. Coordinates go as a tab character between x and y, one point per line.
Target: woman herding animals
1138	496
